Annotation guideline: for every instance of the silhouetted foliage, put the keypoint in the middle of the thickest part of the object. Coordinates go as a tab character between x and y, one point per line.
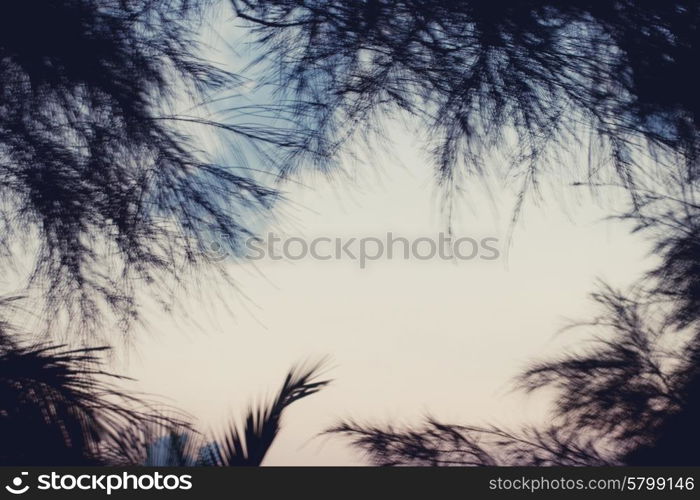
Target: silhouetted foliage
440	445
103	181
58	406
523	80
247	446
101	170
635	378
676	440
670	214
621	383
628	395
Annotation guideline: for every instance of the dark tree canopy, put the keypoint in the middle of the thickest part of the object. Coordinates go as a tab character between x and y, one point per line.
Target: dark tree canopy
102	169
633	385
106	187
58	405
523	79
99	163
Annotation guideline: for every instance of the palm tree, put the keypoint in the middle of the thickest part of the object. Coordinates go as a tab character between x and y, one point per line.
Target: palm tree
238	446
249	445
59	407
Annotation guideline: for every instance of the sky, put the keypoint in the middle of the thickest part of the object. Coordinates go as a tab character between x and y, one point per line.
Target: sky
404	339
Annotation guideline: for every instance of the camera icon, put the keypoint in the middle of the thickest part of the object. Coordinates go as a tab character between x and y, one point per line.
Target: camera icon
16	488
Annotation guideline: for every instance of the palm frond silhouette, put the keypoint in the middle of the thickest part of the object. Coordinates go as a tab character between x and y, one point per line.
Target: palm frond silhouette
247	446
58	406
105	185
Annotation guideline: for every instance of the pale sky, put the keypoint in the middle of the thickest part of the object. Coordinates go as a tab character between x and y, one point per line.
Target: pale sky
405	338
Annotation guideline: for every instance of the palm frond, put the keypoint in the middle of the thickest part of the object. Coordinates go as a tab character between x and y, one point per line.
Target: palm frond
248	446
58	407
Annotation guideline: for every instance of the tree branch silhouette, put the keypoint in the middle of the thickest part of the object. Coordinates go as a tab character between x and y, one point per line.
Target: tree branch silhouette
105	187
520	82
